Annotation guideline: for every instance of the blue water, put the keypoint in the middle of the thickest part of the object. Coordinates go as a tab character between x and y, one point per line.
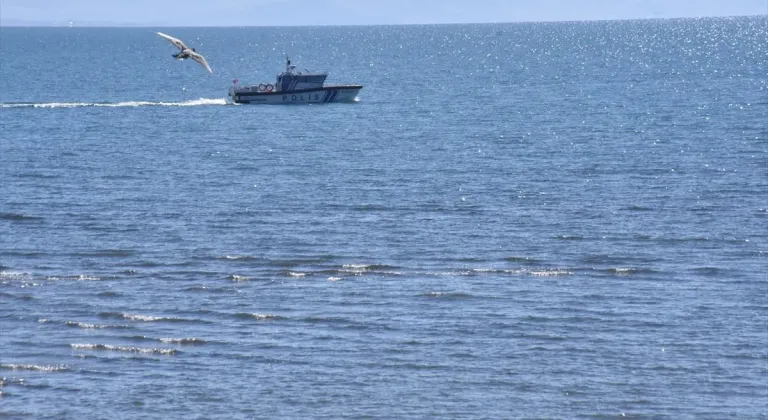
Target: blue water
561	220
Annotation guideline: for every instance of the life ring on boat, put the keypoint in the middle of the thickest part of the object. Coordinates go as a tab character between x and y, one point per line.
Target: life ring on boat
262	87
269	88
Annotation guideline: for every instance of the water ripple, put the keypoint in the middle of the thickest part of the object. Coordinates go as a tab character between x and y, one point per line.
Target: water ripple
127	349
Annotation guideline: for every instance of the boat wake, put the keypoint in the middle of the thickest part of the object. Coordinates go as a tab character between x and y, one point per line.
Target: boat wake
130	104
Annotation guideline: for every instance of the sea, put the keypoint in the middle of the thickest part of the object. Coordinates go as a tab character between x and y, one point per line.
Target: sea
513	221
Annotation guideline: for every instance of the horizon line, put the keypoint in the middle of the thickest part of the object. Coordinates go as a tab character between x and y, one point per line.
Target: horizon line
115	25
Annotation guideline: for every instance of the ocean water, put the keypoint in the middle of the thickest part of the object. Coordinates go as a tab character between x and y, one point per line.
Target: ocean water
552	220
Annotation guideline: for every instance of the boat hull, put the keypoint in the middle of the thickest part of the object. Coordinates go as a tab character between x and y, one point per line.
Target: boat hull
326	94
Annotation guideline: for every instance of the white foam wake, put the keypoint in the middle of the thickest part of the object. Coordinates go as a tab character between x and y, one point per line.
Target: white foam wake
194	102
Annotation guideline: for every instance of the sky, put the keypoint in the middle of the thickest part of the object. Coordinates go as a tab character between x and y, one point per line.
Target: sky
159	13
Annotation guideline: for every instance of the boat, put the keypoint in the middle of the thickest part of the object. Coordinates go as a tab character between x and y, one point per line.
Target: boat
293	87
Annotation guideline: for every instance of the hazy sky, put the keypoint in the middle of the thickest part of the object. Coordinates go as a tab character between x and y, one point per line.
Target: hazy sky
351	12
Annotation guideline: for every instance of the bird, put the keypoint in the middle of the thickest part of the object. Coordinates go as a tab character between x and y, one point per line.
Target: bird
186	52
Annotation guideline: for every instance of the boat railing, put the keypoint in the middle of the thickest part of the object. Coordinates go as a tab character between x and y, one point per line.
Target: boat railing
262	88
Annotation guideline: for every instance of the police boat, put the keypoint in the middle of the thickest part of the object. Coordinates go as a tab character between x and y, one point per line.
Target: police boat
293	87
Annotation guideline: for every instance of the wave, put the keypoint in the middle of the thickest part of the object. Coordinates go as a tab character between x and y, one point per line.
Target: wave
355	268
129	104
184	341
85	325
296	274
169	340
448	295
239	258
342	322
523	260
105	253
623	271
551	272
145	318
349	270
127	349
18	217
19	297
260	317
494	271
709	271
208	289
35	368
301	260
148	318
79	277
14	275
335	274
636	207
479	271
569	237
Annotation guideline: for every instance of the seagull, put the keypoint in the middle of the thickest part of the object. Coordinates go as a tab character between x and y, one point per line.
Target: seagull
186	52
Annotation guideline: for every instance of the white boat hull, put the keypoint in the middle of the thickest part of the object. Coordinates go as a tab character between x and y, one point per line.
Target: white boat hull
326	94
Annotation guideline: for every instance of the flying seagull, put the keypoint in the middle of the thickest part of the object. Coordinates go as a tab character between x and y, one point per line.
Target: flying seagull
186	52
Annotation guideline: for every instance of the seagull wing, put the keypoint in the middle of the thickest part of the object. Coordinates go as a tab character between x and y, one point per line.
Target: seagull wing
200	59
175	41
